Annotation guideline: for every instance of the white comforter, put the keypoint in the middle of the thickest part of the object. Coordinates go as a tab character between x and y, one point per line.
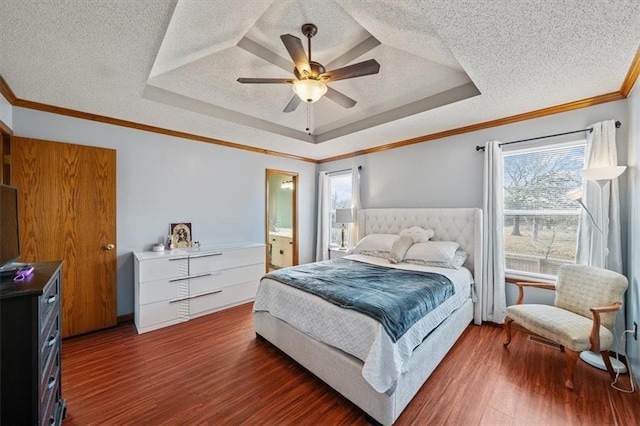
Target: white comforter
357	334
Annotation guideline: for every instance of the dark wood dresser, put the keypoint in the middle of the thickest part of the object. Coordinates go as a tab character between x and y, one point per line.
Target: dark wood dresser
30	348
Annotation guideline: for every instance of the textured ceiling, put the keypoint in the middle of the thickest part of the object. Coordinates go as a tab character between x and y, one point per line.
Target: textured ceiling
443	64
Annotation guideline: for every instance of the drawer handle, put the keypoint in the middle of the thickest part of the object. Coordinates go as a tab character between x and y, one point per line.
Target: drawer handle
51	383
180	299
52	340
205	293
190	277
51	300
178	258
196	256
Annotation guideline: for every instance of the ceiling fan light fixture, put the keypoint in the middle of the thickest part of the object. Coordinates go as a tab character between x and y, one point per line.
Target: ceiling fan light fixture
309	90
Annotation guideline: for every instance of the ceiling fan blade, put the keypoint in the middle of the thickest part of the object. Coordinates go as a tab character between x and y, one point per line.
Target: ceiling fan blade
356	70
353	53
296	51
266	80
340	98
293	104
265	54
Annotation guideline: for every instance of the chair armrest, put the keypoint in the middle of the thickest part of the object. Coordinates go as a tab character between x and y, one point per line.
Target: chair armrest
594	337
610	308
522	284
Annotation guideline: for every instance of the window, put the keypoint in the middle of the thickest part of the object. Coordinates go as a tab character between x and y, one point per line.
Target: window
340	192
540	222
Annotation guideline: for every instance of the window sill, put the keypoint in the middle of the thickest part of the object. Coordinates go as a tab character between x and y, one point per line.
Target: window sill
513	277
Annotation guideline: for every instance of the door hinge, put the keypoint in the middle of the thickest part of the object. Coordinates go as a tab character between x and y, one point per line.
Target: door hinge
7	159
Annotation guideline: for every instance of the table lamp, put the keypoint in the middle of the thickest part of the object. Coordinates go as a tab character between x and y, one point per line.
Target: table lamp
343	216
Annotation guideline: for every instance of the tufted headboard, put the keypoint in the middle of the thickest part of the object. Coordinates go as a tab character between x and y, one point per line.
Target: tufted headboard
462	225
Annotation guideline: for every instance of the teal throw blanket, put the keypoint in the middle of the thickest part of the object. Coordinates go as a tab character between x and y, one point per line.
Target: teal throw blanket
394	297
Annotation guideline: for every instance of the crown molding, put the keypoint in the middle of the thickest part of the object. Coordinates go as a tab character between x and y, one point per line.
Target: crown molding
632	75
147	128
609	97
625	90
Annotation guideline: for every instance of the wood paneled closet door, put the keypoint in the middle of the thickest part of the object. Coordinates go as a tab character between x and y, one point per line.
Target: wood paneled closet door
67	209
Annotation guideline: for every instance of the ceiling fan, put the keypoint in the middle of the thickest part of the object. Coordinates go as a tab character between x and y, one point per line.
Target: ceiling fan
311	77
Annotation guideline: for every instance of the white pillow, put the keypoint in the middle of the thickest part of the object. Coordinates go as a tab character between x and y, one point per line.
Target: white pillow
378	245
432	251
399	249
417	234
455	262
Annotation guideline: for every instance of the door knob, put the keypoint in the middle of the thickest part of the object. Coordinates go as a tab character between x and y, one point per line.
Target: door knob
109	247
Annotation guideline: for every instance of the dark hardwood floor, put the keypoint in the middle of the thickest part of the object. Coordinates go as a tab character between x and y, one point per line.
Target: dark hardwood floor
213	370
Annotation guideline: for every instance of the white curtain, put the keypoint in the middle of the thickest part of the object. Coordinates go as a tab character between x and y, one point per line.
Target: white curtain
493	297
355	206
601	152
324	206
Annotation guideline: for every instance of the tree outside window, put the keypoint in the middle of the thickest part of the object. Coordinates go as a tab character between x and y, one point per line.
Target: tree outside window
540	222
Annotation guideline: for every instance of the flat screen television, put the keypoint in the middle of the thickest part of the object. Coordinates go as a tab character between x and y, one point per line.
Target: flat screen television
9	236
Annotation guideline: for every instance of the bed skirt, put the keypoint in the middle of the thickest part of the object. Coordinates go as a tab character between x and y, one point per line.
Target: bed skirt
343	372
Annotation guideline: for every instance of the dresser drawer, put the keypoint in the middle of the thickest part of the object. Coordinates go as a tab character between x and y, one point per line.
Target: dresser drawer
157	269
225	278
166	289
206	262
235	294
50	375
50	399
50	340
49	303
155	313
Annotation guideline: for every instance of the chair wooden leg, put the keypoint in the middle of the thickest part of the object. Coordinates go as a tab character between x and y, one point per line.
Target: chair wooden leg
572	360
507	328
607	363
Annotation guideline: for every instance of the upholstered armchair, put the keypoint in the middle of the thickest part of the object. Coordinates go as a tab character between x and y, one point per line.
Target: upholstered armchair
583	314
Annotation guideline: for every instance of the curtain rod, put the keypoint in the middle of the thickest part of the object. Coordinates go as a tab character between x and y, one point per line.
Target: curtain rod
343	170
481	148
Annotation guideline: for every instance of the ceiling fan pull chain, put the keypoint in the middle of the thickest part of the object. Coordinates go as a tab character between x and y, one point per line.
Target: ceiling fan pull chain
309	118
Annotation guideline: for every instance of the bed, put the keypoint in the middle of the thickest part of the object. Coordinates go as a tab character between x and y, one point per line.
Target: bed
381	375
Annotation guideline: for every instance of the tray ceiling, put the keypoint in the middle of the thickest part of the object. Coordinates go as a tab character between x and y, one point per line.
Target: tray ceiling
199	61
443	64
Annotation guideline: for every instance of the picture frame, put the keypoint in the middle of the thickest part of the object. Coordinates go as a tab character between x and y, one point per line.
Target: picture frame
181	234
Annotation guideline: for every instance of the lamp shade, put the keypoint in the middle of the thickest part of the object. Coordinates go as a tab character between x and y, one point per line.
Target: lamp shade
575	194
603	173
309	90
344	216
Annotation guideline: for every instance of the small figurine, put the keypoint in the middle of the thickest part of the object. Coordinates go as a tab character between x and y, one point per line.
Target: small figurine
170	244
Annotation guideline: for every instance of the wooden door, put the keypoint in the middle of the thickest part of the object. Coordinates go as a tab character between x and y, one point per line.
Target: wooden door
67	209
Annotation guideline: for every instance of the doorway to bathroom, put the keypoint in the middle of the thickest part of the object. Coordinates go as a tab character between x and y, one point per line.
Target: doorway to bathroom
281	219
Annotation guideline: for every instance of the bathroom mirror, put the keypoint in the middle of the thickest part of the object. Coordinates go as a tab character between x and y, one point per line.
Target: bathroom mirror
281	219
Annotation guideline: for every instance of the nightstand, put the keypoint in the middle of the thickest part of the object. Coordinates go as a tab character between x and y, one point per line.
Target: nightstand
336	253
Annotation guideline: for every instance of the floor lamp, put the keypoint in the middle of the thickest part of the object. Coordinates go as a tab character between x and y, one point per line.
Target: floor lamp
602	176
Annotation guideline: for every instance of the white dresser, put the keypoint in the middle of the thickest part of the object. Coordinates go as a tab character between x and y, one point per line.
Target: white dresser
177	285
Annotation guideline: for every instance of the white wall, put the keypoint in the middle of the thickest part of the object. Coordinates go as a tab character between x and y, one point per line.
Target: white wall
163	179
448	172
633	255
6	112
